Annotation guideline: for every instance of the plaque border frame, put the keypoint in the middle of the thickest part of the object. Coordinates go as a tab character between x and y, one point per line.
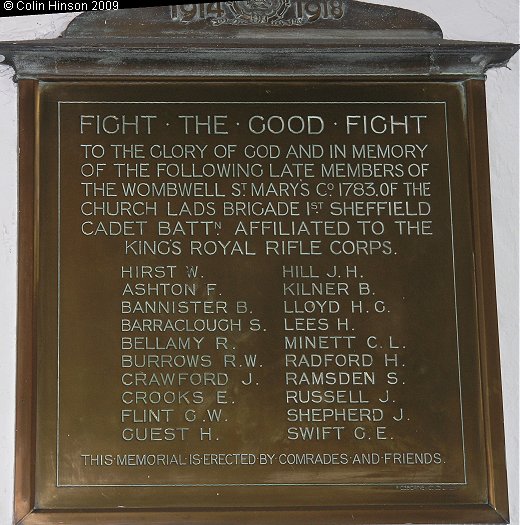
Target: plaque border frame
456	307
495	511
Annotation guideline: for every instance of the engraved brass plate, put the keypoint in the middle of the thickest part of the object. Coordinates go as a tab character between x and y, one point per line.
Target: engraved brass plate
256	295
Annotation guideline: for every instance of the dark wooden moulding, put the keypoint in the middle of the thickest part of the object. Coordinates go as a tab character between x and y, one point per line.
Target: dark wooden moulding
370	44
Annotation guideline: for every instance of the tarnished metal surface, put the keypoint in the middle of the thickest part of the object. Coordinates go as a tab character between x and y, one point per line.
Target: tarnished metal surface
299	38
256	269
112	434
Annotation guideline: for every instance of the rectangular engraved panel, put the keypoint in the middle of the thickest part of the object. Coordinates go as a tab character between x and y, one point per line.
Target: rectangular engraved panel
259	293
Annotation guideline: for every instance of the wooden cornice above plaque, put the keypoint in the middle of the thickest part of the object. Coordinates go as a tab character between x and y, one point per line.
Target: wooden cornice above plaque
280	38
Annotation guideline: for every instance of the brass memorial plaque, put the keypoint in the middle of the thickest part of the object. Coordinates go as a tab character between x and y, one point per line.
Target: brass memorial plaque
252	288
256	270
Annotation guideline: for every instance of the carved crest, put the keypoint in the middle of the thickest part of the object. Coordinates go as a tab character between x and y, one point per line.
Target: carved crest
259	11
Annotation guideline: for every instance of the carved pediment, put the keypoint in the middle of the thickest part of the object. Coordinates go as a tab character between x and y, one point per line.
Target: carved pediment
355	20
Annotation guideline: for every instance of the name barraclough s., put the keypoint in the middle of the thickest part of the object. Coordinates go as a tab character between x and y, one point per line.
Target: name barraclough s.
181	325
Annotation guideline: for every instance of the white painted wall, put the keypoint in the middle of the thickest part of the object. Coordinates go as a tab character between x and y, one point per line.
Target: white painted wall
494	20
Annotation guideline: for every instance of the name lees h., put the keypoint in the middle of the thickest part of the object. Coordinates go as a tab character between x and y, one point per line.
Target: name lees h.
256	124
